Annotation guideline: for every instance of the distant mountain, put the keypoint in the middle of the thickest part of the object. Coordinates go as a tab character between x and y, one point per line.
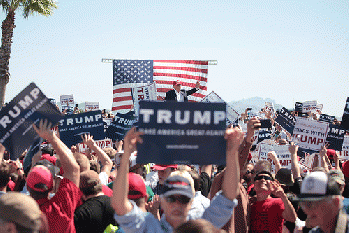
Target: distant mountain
256	103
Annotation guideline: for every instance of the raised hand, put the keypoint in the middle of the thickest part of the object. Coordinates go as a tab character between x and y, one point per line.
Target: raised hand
44	130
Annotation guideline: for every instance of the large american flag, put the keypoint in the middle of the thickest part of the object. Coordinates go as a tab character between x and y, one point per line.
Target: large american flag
133	73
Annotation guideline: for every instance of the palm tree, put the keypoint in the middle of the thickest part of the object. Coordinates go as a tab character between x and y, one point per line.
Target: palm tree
29	7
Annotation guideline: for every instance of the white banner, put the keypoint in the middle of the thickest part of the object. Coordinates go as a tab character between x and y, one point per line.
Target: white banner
91	106
311	106
282	152
232	115
67	101
106	143
147	92
310	134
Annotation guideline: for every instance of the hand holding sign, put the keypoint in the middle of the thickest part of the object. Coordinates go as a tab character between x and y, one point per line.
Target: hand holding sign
88	140
44	130
252	125
293	148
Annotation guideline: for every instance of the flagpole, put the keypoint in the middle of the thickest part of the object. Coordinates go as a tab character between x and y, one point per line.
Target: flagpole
109	60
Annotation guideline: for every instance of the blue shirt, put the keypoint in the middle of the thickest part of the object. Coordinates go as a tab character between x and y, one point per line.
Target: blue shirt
218	213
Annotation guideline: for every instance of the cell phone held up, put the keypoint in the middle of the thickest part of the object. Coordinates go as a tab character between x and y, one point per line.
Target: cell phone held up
265	124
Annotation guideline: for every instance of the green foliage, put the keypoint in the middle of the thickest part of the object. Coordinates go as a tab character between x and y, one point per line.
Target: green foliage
30	7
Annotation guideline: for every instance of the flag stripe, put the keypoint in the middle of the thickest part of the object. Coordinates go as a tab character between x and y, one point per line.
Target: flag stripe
183	61
180	74
122	107
121	90
195	70
117	99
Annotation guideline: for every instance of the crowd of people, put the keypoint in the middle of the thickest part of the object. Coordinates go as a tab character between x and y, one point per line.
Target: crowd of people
102	190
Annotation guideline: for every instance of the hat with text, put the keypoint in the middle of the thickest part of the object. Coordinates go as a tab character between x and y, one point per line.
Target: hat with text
317	186
178	185
136	186
20	209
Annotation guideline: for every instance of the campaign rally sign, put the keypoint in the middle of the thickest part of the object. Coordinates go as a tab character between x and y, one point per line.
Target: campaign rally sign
105	143
73	126
286	120
310	134
344	154
17	117
269	107
345	117
326	118
91	106
298	106
282	152
67	101
264	134
309	106
182	133
232	115
147	92
120	125
335	137
107	122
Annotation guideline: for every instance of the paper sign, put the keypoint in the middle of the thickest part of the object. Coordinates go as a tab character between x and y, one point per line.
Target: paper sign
232	115
182	133
73	126
310	134
120	125
147	92
91	106
17	117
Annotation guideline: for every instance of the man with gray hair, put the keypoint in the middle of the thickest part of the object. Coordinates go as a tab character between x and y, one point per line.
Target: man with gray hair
321	200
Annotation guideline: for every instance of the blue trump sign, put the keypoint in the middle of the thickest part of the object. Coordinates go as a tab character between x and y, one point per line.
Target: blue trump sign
182	133
286	120
73	126
335	137
17	117
120	125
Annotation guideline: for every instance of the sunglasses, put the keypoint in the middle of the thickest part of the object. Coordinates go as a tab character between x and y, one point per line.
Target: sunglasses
263	177
248	172
181	199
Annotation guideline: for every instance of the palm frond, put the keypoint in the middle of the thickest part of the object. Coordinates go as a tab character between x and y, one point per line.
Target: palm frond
42	7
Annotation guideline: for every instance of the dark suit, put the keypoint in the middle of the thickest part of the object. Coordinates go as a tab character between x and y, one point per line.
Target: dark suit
171	95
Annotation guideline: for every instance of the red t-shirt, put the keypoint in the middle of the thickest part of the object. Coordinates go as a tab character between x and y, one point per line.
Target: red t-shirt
59	210
266	216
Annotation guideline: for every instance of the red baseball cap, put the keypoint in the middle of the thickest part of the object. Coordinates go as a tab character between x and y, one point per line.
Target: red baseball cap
136	186
177	82
158	167
40	179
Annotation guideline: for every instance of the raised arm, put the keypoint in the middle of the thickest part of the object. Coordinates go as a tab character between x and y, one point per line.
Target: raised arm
70	166
119	200
230	188
107	163
273	157
294	160
2	152
245	146
289	213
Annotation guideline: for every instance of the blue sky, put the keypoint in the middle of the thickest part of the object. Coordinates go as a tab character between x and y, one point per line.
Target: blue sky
284	50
